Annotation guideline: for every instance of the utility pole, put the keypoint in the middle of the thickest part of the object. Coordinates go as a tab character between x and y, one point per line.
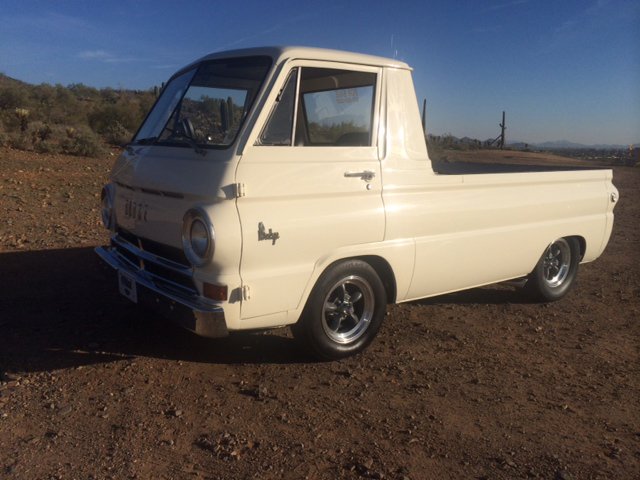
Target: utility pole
499	141
424	116
503	127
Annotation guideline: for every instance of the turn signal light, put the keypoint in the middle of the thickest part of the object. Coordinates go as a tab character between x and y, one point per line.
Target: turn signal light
215	292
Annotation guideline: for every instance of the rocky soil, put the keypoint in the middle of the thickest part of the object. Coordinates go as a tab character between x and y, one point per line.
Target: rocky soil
480	384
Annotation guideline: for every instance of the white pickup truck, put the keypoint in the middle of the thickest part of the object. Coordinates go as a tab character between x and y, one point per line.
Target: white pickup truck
292	186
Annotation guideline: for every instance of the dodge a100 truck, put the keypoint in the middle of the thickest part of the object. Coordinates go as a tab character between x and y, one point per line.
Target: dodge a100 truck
292	186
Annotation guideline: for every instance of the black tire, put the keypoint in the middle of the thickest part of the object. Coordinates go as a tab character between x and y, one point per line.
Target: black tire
555	272
344	311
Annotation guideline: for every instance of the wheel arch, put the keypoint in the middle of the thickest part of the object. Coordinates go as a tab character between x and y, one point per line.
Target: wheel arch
583	244
385	272
381	266
579	238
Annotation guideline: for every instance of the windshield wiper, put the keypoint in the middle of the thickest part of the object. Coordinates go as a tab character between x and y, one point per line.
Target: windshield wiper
191	142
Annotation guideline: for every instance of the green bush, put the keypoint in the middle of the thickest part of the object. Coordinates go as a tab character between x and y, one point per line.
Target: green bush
20	141
40	131
82	141
104	118
117	134
13	96
4	136
46	147
43	138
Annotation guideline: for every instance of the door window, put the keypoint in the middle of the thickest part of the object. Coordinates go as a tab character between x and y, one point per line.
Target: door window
333	107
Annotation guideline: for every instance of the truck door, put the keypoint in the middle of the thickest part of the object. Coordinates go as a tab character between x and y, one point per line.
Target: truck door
310	180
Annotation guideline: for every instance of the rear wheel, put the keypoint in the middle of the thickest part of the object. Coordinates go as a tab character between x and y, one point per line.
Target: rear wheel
556	270
344	311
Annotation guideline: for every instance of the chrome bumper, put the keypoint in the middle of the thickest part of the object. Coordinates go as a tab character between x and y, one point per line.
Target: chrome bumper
177	302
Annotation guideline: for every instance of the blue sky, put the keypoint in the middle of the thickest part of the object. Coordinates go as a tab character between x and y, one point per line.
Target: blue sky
561	69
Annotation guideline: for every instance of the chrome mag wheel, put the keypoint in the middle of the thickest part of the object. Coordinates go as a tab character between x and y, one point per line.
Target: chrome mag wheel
556	271
348	309
556	263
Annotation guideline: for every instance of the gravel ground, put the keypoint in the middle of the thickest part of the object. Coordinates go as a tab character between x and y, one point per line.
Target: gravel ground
478	384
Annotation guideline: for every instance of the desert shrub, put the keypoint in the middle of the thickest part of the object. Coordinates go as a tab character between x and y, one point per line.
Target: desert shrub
460	146
84	92
82	141
67	109
40	131
43	139
10	120
46	147
434	150
14	96
20	141
121	115
37	116
4	136
117	134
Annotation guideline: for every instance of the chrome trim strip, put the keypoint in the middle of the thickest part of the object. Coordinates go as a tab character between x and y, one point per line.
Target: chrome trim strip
150	257
159	193
193	302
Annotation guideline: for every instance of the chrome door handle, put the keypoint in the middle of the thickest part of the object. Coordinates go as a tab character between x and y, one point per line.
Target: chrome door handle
366	175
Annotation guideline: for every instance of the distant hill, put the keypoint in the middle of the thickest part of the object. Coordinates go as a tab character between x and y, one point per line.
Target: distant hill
564	144
450	141
558	144
6	81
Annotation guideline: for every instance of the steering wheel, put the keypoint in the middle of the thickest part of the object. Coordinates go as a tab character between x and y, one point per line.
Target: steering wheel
186	128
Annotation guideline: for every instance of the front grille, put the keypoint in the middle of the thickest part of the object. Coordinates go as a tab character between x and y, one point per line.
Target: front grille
130	256
167	274
165	251
165	266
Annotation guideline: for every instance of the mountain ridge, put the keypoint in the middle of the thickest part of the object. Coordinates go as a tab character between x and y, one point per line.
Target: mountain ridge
565	144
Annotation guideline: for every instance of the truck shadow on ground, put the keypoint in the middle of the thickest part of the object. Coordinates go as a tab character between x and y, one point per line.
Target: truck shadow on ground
497	294
58	309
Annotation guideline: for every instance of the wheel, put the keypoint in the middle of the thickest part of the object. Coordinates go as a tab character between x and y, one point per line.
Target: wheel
344	311
556	270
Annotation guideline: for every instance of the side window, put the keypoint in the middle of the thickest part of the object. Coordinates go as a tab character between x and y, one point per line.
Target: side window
279	129
333	107
338	106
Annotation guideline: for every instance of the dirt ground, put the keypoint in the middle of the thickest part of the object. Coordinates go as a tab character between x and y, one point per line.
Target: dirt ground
480	384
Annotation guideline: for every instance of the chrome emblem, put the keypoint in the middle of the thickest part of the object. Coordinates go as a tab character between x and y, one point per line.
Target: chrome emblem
135	210
264	235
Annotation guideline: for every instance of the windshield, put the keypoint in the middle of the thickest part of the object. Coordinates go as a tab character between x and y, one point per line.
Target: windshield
205	106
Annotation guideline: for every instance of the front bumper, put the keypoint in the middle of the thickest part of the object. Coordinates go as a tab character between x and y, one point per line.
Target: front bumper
178	303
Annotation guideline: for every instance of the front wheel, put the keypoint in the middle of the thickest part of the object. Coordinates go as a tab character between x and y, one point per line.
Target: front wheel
556	270
344	311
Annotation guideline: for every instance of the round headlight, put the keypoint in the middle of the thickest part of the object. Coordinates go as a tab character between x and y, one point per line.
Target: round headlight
106	210
197	237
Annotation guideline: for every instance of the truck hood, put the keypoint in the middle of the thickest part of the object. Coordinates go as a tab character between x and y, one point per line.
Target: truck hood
156	185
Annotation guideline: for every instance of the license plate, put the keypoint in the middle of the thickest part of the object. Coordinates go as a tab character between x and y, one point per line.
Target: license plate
127	286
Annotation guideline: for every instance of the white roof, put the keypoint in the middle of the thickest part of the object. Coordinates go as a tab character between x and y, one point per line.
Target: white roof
309	53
